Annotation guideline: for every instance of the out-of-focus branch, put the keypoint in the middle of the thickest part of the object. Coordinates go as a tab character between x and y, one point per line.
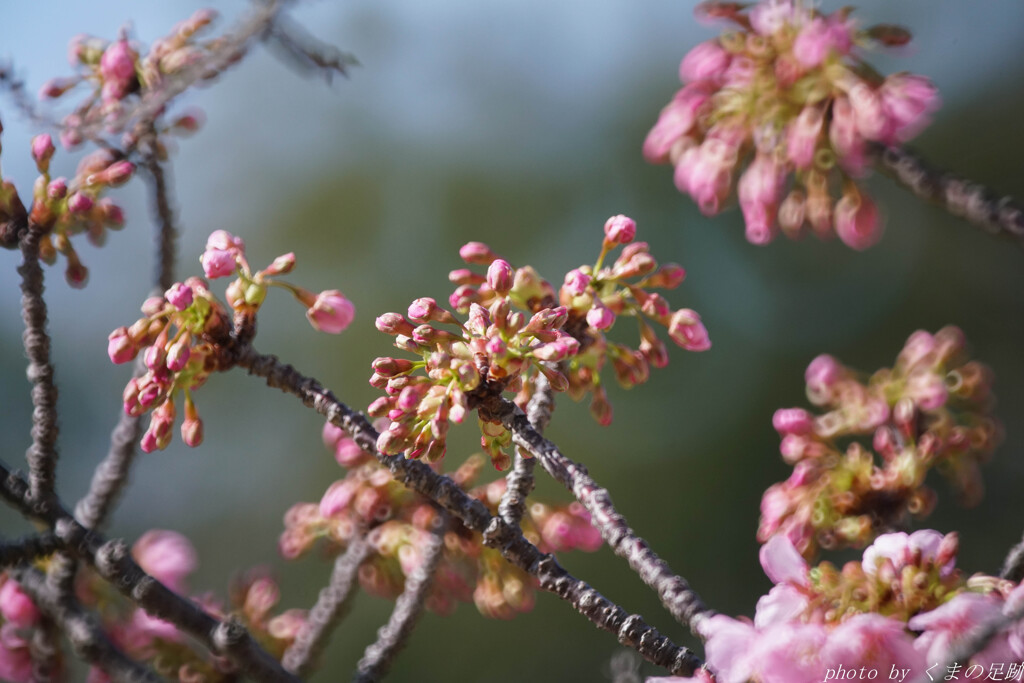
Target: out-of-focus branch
331	606
675	593
27	549
305	52
391	637
82	629
957	195
113	562
42	455
519	481
980	636
630	628
1013	565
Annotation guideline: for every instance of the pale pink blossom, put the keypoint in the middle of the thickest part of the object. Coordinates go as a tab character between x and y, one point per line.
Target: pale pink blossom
782	563
167	556
179	296
16	607
908	101
873	641
958	620
858	222
802	136
218	263
706	61
813	43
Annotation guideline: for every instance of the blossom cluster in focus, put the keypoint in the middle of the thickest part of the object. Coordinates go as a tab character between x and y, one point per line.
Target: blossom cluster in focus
518	328
182	332
785	94
931	410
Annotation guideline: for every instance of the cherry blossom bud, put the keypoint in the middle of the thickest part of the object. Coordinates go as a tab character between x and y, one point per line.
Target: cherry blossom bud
813	43
218	263
422	310
802	136
600	316
500	276
792	421
179	353
282	265
57	189
394	323
224	240
179	296
619	230
858	223
686	330
331	312
167	556
79	203
120	347
706	61
16	607
42	151
576	282
477	252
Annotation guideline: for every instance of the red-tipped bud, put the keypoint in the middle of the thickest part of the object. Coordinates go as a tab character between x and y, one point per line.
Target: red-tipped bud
500	276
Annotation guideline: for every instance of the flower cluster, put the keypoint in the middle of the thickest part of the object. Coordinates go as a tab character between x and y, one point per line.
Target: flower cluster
788	88
181	334
931	410
904	605
502	349
399	522
118	73
170	558
62	208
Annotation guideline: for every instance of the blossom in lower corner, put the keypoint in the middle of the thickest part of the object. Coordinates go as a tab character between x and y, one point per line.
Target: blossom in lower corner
786	93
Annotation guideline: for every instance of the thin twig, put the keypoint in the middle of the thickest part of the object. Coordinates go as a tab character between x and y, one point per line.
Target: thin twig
305	52
391	637
675	593
519	482
957	195
1013	565
42	455
82	629
630	628
333	603
112	561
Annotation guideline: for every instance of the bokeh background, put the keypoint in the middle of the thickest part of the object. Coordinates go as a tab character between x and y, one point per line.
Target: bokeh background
518	124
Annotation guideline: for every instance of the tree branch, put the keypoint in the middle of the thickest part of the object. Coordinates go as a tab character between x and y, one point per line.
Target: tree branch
83	629
630	629
391	637
331	606
306	53
519	482
675	593
42	455
27	549
1013	565
112	560
957	195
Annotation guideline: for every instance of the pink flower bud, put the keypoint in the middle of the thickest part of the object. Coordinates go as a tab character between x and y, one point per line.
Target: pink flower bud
600	316
218	263
120	347
620	229
282	265
792	421
421	310
706	61
477	252
79	203
42	150
868	112
500	276
813	43
57	189
179	354
17	608
113	217
394	323
576	282
908	101
802	136
179	296
192	432
167	556
116	174
55	87
858	223
224	240
686	330
667	138
331	312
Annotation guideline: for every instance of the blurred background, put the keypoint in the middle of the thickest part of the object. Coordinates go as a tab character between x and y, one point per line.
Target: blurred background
519	125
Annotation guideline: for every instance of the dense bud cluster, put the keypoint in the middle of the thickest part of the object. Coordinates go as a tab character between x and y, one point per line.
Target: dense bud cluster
62	208
787	90
398	523
904	605
501	349
170	558
181	332
931	410
119	73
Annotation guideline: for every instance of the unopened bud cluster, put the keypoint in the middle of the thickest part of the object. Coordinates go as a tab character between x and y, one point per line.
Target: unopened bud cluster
516	330
181	333
786	93
399	522
62	208
930	410
170	558
120	73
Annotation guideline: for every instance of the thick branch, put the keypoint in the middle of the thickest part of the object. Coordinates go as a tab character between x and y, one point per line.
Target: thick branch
957	195
675	593
519	482
83	630
331	606
1013	565
42	455
27	549
391	637
112	561
630	629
